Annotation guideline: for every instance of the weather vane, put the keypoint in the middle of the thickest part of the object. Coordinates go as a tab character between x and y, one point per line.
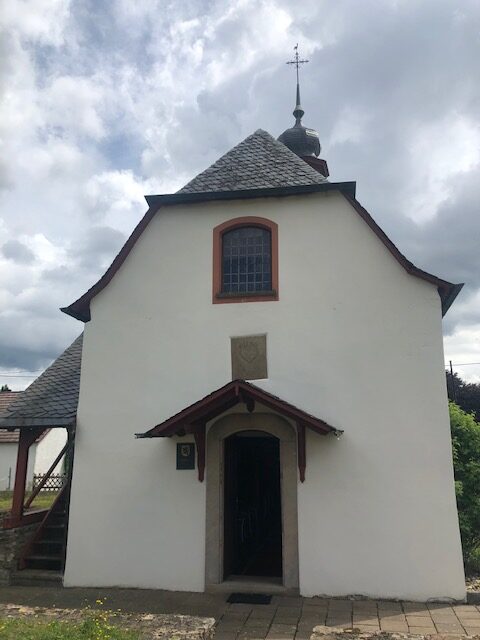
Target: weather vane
297	62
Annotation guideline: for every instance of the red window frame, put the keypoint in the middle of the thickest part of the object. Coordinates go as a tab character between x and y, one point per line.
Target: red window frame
219	297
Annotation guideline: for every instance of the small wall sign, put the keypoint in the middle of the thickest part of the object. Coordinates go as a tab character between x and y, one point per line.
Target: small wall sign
185	455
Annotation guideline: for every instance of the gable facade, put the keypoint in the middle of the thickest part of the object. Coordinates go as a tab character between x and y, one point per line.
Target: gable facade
353	338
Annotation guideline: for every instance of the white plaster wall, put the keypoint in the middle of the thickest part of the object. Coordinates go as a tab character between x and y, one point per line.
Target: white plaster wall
353	339
48	449
8	460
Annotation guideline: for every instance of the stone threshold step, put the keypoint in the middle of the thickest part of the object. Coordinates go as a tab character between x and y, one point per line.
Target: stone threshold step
36	577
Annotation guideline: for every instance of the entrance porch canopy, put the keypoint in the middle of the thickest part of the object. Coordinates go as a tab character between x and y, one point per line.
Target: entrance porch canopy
193	419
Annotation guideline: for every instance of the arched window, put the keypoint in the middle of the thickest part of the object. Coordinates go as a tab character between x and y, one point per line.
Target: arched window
245	261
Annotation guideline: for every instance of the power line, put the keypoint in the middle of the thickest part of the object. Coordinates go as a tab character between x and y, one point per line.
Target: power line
14	375
18	370
460	364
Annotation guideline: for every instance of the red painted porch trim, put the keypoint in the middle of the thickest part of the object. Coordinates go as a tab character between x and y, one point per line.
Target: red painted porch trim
200	437
26	439
33	516
35	493
301	450
226	397
80	309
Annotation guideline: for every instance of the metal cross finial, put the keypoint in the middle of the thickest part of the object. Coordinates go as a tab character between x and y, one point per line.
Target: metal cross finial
298	112
297	62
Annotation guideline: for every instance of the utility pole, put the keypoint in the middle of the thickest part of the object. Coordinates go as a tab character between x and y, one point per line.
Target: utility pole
454	392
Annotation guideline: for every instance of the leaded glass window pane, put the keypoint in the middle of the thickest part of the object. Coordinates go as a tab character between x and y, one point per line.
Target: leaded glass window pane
246	260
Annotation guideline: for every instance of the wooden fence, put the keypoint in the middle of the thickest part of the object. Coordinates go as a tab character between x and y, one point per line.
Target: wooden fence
53	483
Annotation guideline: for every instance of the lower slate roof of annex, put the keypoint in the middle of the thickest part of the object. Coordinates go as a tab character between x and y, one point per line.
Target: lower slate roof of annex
6	399
51	400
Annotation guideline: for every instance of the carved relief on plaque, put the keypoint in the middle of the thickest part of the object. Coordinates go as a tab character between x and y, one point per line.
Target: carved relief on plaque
249	357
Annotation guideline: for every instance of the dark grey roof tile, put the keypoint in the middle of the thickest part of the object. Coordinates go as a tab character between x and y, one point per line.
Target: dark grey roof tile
51	399
257	162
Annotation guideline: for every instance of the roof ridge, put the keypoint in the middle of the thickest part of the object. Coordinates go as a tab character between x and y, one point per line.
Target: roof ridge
258	161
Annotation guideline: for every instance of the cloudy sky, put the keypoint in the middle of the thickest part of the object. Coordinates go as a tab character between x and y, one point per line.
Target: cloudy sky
103	102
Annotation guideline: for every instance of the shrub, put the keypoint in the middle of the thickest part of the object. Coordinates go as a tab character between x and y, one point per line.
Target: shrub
466	462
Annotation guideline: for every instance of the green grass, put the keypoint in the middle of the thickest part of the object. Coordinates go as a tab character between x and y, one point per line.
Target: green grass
93	627
42	501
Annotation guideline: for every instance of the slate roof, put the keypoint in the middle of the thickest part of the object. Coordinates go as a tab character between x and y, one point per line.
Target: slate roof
258	162
12	437
6	399
51	400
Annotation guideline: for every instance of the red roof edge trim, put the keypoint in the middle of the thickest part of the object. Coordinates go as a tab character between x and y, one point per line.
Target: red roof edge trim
448	291
80	309
224	398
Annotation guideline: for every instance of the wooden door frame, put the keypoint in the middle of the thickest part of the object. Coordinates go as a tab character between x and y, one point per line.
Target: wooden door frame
224	427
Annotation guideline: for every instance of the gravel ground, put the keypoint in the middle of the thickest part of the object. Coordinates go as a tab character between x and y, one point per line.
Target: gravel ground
150	626
473	583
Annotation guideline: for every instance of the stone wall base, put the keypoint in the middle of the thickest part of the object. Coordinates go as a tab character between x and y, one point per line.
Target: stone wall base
11	543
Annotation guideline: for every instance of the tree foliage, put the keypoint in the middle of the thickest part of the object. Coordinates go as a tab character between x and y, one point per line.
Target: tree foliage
466	462
465	394
4	387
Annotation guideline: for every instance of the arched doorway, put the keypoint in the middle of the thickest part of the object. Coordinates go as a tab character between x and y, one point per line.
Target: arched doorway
279	440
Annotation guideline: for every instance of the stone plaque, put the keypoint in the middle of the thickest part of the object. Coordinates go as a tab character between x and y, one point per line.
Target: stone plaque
249	357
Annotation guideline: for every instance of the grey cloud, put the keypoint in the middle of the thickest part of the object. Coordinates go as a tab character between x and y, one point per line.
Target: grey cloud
18	252
98	247
60	274
401	65
43	337
16	356
450	242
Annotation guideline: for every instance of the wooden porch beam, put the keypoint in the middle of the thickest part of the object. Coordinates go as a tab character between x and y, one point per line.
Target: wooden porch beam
200	437
25	441
47	475
302	450
248	401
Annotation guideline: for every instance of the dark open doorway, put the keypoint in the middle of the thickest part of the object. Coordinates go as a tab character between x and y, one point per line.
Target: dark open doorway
252	507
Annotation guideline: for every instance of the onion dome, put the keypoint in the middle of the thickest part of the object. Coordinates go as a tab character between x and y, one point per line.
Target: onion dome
299	139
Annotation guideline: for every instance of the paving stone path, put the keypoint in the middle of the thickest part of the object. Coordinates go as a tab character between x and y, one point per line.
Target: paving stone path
295	618
285	618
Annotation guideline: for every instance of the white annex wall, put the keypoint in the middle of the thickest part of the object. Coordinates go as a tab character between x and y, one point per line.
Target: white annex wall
353	339
8	464
8	460
48	449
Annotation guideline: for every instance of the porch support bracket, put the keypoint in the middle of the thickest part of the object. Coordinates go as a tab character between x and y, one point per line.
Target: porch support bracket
200	437
301	450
